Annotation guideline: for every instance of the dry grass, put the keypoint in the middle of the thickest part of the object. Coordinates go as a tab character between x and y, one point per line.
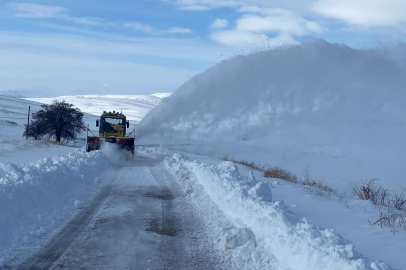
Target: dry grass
393	220
395	205
308	180
251	164
367	190
278	172
319	185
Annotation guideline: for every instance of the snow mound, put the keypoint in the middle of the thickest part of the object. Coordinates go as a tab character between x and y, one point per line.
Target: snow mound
33	195
237	237
275	238
262	192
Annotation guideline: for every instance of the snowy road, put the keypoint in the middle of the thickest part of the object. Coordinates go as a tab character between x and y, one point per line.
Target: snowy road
139	221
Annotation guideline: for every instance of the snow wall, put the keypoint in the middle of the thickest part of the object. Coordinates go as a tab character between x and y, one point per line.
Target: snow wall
317	98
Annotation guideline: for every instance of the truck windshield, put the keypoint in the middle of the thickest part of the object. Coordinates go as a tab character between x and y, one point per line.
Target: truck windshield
115	121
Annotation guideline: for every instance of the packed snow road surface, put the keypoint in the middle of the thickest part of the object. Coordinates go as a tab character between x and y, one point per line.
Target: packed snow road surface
139	221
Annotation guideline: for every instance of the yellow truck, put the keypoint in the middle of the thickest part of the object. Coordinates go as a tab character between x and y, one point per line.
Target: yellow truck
112	129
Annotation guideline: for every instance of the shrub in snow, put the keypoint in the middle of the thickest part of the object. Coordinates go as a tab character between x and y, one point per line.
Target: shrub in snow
379	195
391	218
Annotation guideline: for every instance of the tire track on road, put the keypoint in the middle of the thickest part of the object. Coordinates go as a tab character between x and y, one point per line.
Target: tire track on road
54	250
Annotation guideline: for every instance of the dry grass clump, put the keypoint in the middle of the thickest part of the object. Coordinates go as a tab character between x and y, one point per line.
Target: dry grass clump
319	185
278	172
252	164
393	220
394	213
308	180
368	191
378	195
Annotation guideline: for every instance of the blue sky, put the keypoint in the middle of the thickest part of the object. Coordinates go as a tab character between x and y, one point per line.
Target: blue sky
145	46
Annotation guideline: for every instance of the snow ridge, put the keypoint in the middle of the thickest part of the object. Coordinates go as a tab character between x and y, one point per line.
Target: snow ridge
33	195
282	240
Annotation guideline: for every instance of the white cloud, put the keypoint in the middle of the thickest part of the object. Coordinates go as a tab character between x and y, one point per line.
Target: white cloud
364	12
275	20
37	11
199	5
239	38
42	11
253	27
219	23
179	30
145	28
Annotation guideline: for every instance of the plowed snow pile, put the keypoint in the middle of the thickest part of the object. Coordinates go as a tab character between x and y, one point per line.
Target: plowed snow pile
337	109
34	196
265	234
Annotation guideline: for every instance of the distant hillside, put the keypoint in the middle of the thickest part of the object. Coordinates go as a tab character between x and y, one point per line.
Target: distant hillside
22	94
135	107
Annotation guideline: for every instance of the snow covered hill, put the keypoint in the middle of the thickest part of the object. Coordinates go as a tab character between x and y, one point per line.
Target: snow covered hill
22	94
13	146
135	107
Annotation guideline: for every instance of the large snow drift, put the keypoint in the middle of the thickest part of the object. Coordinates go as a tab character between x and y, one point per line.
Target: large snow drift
339	110
319	83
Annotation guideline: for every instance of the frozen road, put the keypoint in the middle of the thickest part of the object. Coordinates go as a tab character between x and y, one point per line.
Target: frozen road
139	221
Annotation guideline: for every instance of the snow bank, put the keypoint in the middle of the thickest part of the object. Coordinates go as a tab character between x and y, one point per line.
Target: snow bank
273	236
33	195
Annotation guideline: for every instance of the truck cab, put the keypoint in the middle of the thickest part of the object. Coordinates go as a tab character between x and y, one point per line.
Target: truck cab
112	124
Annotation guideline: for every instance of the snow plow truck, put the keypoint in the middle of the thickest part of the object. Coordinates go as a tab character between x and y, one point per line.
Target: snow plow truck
112	129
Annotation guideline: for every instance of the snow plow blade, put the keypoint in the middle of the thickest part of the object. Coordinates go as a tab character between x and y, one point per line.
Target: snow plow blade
95	143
